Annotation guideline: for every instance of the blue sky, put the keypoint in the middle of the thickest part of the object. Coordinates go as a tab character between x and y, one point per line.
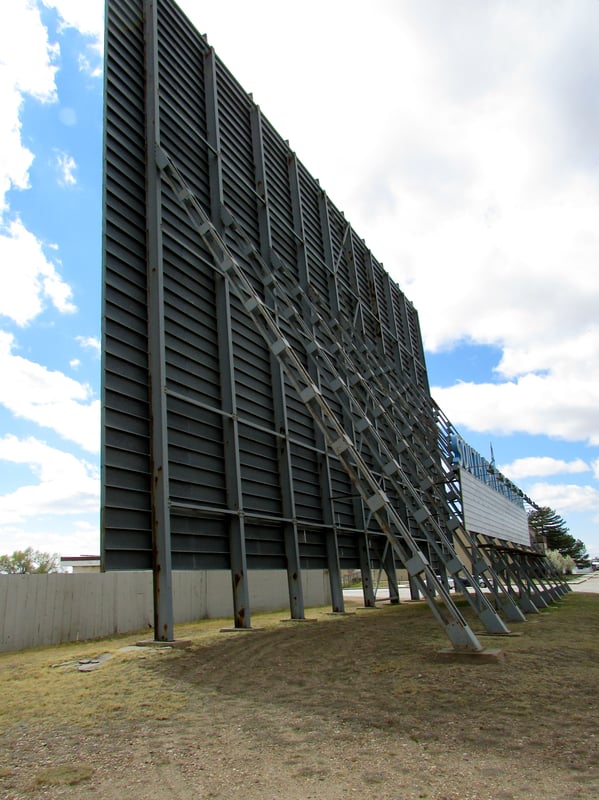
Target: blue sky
459	138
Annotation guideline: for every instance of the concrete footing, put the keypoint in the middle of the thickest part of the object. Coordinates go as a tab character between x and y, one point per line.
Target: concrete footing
233	629
178	644
472	656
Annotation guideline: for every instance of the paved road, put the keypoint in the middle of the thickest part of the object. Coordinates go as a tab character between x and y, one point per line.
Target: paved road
587	583
584	583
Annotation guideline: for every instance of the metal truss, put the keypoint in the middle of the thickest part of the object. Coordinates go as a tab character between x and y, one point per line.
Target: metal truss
371	485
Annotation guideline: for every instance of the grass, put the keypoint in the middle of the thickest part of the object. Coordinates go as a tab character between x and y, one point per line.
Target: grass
132	684
374	676
63	775
45	682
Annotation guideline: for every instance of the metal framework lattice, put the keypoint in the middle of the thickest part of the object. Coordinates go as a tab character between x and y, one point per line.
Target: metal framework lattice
265	398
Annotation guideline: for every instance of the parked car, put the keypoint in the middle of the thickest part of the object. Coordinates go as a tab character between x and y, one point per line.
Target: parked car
450	581
467	582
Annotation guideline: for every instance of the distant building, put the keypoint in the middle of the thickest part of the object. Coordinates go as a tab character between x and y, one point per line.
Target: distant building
81	563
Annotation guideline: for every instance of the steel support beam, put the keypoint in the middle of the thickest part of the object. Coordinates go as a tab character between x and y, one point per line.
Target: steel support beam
290	533
366	482
390	571
236	523
161	530
328	498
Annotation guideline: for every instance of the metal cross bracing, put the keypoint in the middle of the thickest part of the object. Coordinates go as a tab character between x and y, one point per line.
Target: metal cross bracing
368	415
416	436
527	573
525	567
396	436
484	553
441	483
415	440
370	486
540	571
386	443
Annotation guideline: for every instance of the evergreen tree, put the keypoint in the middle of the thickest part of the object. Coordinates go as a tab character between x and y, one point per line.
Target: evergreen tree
546	523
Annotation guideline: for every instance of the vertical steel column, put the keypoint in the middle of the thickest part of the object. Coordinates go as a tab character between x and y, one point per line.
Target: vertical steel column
414	591
517	587
332	545
376	312
406	375
294	581
390	571
337	601
237	552
409	345
161	529
397	356
347	250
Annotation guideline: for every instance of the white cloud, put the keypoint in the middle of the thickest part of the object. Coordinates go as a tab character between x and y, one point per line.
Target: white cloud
48	398
470	168
27	68
27	278
519	242
90	343
66	167
58	512
71	537
538	404
566	498
93	68
595	466
568	358
542	466
87	17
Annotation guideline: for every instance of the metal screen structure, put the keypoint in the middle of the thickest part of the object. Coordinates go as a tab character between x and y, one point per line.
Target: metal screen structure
211	458
244	460
488	512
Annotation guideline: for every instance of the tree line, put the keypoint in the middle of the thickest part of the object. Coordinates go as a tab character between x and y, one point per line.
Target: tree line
25	562
548	525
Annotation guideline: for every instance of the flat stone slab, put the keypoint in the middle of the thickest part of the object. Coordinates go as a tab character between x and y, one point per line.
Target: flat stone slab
472	656
341	614
233	629
178	644
85	664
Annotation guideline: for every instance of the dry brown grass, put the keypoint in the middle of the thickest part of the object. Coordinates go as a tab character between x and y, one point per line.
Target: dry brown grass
296	710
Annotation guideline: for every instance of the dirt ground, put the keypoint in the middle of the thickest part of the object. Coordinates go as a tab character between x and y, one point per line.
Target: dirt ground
342	707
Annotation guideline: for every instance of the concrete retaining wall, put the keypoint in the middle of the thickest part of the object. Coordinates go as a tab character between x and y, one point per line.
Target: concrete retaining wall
38	610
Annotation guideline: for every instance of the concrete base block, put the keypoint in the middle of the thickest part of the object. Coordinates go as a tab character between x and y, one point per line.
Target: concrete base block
233	629
472	656
178	644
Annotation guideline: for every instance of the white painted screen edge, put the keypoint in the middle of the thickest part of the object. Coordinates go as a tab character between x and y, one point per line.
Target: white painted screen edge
490	513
